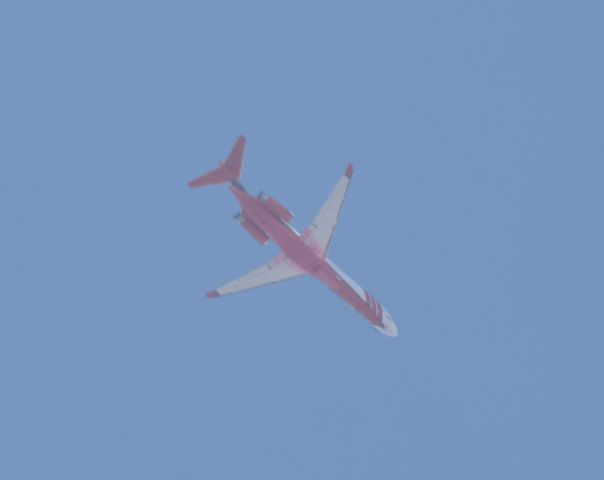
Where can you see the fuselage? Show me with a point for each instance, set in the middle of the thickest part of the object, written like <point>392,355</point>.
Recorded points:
<point>312,262</point>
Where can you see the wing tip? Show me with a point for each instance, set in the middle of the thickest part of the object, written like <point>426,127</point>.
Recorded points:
<point>349,171</point>
<point>213,294</point>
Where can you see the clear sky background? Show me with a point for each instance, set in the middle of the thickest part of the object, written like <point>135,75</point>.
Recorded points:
<point>476,216</point>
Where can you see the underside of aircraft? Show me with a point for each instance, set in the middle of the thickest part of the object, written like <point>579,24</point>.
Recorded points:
<point>265,219</point>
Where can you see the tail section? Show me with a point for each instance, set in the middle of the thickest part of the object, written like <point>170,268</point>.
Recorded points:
<point>229,170</point>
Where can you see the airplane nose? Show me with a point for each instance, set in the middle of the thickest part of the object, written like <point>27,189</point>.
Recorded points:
<point>389,327</point>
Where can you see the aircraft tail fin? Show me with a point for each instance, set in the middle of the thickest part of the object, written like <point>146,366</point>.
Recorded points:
<point>228,170</point>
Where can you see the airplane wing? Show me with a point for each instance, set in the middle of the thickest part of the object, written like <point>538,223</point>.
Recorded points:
<point>277,269</point>
<point>320,232</point>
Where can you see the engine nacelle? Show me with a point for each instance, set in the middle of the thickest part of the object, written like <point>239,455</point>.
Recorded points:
<point>256,232</point>
<point>275,208</point>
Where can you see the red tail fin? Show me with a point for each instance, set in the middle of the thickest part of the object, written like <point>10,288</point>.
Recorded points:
<point>228,170</point>
<point>235,161</point>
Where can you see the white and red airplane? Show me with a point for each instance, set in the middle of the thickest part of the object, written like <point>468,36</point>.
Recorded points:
<point>301,254</point>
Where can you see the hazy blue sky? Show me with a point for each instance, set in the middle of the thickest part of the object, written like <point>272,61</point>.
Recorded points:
<point>476,216</point>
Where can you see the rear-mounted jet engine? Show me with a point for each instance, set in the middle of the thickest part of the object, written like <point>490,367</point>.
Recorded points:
<point>275,207</point>
<point>256,232</point>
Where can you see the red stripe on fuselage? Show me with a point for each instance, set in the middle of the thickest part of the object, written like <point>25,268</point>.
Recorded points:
<point>375,308</point>
<point>370,301</point>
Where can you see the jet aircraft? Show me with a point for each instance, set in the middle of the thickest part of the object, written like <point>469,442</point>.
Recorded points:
<point>304,253</point>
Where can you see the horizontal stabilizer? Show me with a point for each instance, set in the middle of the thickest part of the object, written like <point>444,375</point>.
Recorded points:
<point>229,170</point>
<point>220,175</point>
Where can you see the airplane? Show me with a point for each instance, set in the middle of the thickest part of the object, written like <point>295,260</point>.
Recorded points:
<point>264,218</point>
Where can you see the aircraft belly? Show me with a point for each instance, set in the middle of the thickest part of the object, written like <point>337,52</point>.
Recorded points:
<point>265,218</point>
<point>290,242</point>
<point>353,294</point>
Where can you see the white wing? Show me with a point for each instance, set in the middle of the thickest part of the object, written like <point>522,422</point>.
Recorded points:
<point>277,269</point>
<point>320,232</point>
